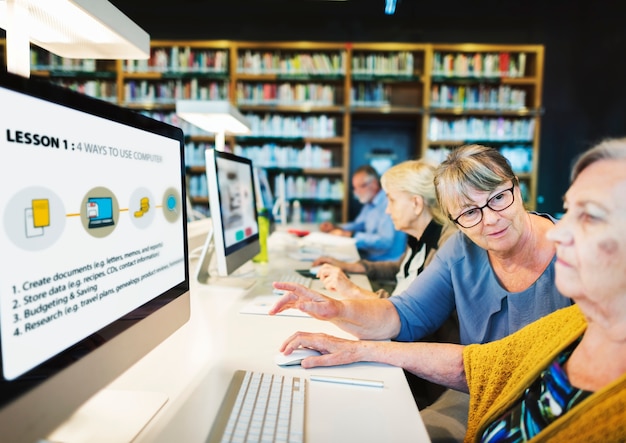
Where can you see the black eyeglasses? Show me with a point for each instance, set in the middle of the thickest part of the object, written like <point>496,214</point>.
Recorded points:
<point>497,203</point>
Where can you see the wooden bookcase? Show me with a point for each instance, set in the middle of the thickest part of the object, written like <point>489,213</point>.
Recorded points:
<point>294,94</point>
<point>303,98</point>
<point>487,94</point>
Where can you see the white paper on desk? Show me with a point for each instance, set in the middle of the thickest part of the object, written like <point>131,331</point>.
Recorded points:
<point>325,239</point>
<point>310,255</point>
<point>262,304</point>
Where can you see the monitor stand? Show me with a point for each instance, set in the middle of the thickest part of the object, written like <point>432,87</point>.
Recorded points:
<point>203,270</point>
<point>110,416</point>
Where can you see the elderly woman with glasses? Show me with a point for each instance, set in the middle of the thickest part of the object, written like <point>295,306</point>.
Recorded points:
<point>497,271</point>
<point>563,377</point>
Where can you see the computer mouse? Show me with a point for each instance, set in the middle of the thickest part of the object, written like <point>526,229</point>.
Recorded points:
<point>295,357</point>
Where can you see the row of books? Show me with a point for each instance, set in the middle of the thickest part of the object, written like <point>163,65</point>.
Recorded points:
<point>370,94</point>
<point>187,59</point>
<point>398,63</point>
<point>321,126</point>
<point>167,92</point>
<point>274,125</point>
<point>43,60</point>
<point>478,97</point>
<point>482,129</point>
<point>197,186</point>
<point>520,156</point>
<point>296,187</point>
<point>363,94</point>
<point>194,153</point>
<point>286,94</point>
<point>280,62</point>
<point>102,89</point>
<point>272,155</point>
<point>479,64</point>
<point>181,59</point>
<point>318,214</point>
<point>315,188</point>
<point>269,155</point>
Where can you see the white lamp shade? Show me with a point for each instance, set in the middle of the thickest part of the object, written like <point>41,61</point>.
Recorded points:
<point>218,116</point>
<point>78,28</point>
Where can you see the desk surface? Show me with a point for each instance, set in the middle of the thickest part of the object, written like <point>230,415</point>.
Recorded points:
<point>194,366</point>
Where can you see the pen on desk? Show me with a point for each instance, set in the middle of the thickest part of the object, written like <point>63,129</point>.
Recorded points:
<point>348,381</point>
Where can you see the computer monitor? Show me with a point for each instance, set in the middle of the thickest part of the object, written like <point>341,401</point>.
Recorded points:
<point>93,238</point>
<point>234,239</point>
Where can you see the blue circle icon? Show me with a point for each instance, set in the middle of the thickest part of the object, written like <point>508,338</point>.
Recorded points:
<point>171,202</point>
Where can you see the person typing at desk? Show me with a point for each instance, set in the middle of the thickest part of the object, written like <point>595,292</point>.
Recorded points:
<point>563,377</point>
<point>413,208</point>
<point>376,238</point>
<point>497,271</point>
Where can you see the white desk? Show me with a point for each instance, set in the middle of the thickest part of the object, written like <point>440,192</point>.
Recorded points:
<point>194,366</point>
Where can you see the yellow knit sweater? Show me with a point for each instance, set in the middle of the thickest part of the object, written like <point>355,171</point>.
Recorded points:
<point>498,373</point>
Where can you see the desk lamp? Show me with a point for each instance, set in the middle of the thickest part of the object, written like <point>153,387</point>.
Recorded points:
<point>71,29</point>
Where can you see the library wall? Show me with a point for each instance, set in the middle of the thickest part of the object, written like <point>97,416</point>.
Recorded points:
<point>320,110</point>
<point>582,94</point>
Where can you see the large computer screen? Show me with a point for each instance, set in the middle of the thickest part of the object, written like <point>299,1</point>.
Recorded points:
<point>94,272</point>
<point>233,209</point>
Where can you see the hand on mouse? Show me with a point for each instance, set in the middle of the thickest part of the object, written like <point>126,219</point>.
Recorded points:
<point>334,351</point>
<point>295,357</point>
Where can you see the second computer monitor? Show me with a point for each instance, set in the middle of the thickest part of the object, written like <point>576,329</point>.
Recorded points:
<point>232,203</point>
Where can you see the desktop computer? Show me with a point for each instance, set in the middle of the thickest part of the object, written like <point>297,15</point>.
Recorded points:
<point>235,235</point>
<point>94,249</point>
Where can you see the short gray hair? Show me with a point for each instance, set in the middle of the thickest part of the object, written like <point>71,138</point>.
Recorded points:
<point>609,149</point>
<point>467,168</point>
<point>369,172</point>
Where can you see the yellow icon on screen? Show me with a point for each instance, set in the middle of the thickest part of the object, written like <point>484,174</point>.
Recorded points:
<point>144,206</point>
<point>41,213</point>
<point>37,217</point>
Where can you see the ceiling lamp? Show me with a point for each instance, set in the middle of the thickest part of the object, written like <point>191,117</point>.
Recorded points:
<point>69,28</point>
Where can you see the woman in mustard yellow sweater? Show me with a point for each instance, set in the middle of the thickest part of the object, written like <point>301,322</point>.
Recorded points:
<point>563,377</point>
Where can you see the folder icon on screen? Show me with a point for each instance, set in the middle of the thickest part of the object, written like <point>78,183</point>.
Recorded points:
<point>41,213</point>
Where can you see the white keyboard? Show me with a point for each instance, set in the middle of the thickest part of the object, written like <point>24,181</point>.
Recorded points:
<point>261,407</point>
<point>293,277</point>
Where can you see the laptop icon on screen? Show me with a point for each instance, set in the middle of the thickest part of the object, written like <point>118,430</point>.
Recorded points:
<point>100,212</point>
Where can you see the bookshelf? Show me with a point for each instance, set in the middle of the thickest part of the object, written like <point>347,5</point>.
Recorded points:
<point>96,78</point>
<point>387,78</point>
<point>304,100</point>
<point>294,96</point>
<point>488,94</point>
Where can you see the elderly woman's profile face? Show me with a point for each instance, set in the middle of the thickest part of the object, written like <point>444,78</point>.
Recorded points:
<point>402,208</point>
<point>591,237</point>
